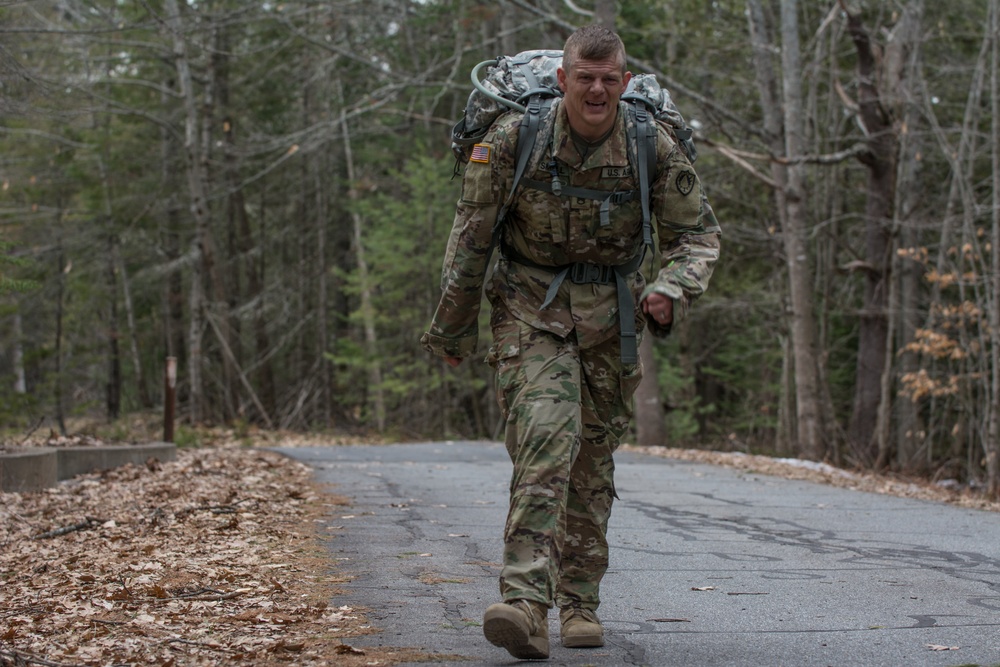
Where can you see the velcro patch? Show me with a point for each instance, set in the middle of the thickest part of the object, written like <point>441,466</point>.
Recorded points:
<point>685,182</point>
<point>480,153</point>
<point>616,172</point>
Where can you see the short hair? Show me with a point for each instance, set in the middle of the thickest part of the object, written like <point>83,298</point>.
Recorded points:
<point>593,42</point>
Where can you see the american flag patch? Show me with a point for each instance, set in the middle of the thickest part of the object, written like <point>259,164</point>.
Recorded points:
<point>480,153</point>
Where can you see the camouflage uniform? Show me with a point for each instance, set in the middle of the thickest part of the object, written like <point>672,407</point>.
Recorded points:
<point>561,385</point>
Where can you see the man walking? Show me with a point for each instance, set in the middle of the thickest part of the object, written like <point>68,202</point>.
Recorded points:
<point>565,323</point>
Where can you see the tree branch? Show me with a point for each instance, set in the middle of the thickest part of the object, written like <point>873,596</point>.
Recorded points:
<point>734,156</point>
<point>741,158</point>
<point>671,84</point>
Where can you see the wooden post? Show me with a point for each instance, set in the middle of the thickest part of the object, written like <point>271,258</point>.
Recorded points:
<point>169,399</point>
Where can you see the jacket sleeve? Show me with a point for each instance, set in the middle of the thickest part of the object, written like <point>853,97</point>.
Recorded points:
<point>454,329</point>
<point>688,232</point>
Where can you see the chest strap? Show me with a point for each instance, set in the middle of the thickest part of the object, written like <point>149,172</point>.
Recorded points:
<point>606,198</point>
<point>583,273</point>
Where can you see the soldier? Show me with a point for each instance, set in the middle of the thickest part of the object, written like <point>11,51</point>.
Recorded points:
<point>563,301</point>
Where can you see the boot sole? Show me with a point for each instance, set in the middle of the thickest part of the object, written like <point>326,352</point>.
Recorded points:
<point>505,628</point>
<point>583,642</point>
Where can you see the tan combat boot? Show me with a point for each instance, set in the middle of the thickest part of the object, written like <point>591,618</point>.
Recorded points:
<point>520,626</point>
<point>580,628</point>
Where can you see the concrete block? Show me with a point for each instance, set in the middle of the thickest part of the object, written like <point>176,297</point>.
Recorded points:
<point>30,469</point>
<point>75,461</point>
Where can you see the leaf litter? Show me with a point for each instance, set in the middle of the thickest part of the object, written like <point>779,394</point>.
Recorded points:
<point>214,558</point>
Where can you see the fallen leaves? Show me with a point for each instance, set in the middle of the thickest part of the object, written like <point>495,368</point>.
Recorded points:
<point>939,647</point>
<point>212,556</point>
<point>823,474</point>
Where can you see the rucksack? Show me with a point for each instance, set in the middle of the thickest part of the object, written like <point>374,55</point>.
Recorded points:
<point>527,82</point>
<point>512,81</point>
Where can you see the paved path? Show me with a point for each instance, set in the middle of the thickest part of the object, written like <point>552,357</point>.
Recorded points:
<point>788,572</point>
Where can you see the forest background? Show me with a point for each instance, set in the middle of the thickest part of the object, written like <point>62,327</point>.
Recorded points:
<point>263,192</point>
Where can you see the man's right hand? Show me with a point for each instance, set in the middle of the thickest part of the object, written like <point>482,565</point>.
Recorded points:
<point>453,361</point>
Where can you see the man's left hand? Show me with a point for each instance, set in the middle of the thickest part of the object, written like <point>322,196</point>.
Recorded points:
<point>660,308</point>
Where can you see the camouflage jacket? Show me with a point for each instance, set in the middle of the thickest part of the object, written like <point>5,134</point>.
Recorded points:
<point>554,231</point>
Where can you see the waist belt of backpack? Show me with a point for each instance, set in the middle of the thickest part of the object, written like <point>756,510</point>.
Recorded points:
<point>583,273</point>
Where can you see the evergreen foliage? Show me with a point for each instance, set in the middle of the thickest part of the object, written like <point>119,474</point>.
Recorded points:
<point>303,120</point>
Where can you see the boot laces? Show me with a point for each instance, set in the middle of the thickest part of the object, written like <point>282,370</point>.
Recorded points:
<point>532,612</point>
<point>586,614</point>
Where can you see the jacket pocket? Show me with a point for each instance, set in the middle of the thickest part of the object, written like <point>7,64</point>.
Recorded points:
<point>477,186</point>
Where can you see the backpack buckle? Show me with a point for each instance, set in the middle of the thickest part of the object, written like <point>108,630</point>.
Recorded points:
<point>583,273</point>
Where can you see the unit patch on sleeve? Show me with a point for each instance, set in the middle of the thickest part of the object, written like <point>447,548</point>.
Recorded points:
<point>685,182</point>
<point>480,153</point>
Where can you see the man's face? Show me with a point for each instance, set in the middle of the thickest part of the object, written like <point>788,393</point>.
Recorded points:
<point>592,89</point>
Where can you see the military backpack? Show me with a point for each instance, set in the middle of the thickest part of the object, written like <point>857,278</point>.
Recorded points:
<point>527,82</point>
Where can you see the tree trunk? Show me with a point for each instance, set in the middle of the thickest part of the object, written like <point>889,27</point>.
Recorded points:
<point>227,297</point>
<point>804,339</point>
<point>133,336</point>
<point>204,269</point>
<point>882,142</point>
<point>63,269</point>
<point>784,128</point>
<point>902,68</point>
<point>650,429</point>
<point>320,170</point>
<point>195,324</point>
<point>20,384</point>
<point>993,439</point>
<point>318,167</point>
<point>367,311</point>
<point>113,392</point>
<point>170,235</point>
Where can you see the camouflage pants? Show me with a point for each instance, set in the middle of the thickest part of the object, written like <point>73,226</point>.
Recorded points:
<point>566,410</point>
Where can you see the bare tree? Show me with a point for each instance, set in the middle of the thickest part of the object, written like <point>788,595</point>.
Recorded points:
<point>992,444</point>
<point>877,116</point>
<point>784,129</point>
<point>900,421</point>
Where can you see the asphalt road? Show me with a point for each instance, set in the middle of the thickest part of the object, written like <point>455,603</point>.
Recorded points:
<point>709,566</point>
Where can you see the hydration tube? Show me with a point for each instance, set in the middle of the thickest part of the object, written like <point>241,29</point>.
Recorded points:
<point>489,93</point>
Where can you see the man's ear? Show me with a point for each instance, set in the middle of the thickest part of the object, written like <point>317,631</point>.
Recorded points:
<point>561,78</point>
<point>625,80</point>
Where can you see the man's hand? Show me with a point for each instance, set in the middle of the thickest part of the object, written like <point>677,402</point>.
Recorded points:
<point>659,307</point>
<point>453,361</point>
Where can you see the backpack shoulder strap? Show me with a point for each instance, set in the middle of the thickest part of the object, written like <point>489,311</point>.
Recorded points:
<point>642,134</point>
<point>538,105</point>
